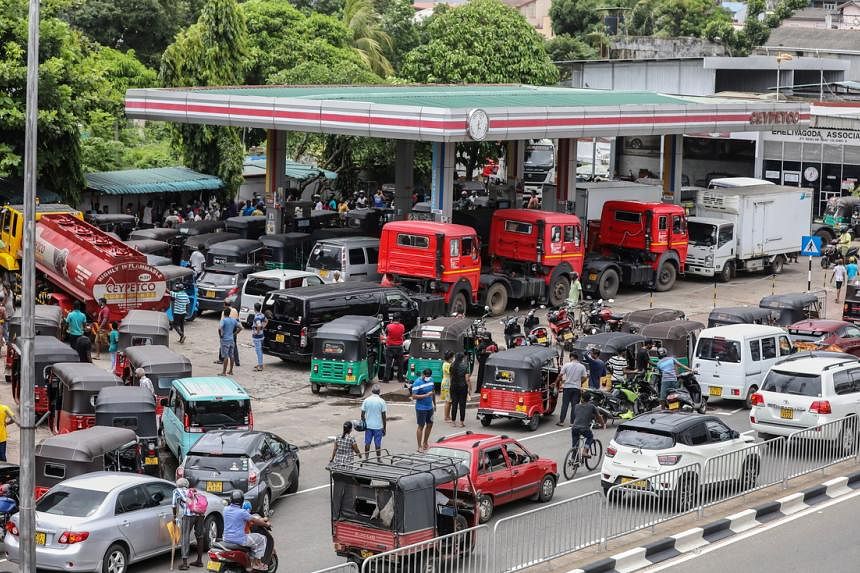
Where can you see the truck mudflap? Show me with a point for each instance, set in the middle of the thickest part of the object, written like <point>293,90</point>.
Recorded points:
<point>430,305</point>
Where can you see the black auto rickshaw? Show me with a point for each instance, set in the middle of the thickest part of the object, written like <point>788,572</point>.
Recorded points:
<point>151,247</point>
<point>132,408</point>
<point>379,504</point>
<point>48,320</point>
<point>287,250</point>
<point>429,341</point>
<point>72,387</point>
<point>677,336</point>
<point>792,307</point>
<point>368,222</point>
<point>851,306</point>
<point>247,226</point>
<point>347,352</point>
<point>248,251</point>
<point>519,383</point>
<point>80,452</point>
<point>188,230</point>
<point>207,240</point>
<point>161,365</point>
<point>119,223</point>
<point>635,320</point>
<point>47,351</point>
<point>164,234</point>
<point>725,315</point>
<point>139,328</point>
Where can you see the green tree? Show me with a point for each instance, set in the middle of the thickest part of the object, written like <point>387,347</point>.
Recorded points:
<point>565,47</point>
<point>328,7</point>
<point>397,23</point>
<point>211,52</point>
<point>366,35</point>
<point>574,17</point>
<point>674,18</point>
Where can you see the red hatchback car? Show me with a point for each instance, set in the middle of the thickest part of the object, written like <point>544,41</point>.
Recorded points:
<point>501,469</point>
<point>820,334</point>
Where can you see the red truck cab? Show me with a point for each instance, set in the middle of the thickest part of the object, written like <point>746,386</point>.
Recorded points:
<point>637,244</point>
<point>534,255</point>
<point>429,257</point>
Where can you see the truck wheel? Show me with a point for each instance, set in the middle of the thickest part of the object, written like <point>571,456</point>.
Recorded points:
<point>607,285</point>
<point>777,264</point>
<point>826,236</point>
<point>666,277</point>
<point>559,289</point>
<point>497,298</point>
<point>728,272</point>
<point>459,304</point>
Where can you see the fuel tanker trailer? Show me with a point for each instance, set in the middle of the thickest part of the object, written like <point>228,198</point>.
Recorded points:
<point>87,264</point>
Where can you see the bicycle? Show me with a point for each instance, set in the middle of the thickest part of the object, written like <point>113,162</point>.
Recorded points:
<point>574,458</point>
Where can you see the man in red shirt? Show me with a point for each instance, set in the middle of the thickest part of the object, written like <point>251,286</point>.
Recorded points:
<point>394,333</point>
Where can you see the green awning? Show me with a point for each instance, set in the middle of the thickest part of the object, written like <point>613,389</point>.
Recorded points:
<point>156,180</point>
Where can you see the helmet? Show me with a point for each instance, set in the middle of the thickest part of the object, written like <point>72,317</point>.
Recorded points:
<point>237,497</point>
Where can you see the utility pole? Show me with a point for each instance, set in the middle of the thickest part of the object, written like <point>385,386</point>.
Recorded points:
<point>27,513</point>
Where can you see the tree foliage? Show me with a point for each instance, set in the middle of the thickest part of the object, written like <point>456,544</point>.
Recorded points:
<point>565,47</point>
<point>397,23</point>
<point>211,52</point>
<point>367,36</point>
<point>574,17</point>
<point>674,18</point>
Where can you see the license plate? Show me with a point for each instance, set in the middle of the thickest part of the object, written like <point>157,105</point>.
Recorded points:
<point>41,538</point>
<point>323,274</point>
<point>365,554</point>
<point>632,482</point>
<point>521,408</point>
<point>214,486</point>
<point>350,378</point>
<point>715,391</point>
<point>542,340</point>
<point>592,276</point>
<point>674,405</point>
<point>209,294</point>
<point>279,338</point>
<point>213,566</point>
<point>786,413</point>
<point>151,460</point>
<point>568,335</point>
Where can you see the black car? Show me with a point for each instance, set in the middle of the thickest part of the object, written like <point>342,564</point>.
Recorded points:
<point>259,464</point>
<point>222,283</point>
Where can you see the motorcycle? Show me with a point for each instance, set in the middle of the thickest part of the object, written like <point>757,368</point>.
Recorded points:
<point>647,397</point>
<point>530,321</point>
<point>538,336</point>
<point>513,331</point>
<point>688,396</point>
<point>561,325</point>
<point>233,558</point>
<point>598,317</point>
<point>831,253</point>
<point>612,405</point>
<point>8,503</point>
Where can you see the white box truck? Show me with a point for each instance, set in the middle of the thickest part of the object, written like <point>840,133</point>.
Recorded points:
<point>746,229</point>
<point>590,197</point>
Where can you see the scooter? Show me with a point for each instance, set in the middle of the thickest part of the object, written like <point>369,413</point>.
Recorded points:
<point>611,404</point>
<point>237,558</point>
<point>688,396</point>
<point>538,336</point>
<point>8,503</point>
<point>513,331</point>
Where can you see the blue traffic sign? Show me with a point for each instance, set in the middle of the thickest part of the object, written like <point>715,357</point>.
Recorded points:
<point>810,246</point>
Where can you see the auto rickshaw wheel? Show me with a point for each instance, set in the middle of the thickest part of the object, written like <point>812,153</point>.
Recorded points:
<point>315,388</point>
<point>533,422</point>
<point>486,506</point>
<point>666,276</point>
<point>559,289</point>
<point>486,420</point>
<point>497,298</point>
<point>359,389</point>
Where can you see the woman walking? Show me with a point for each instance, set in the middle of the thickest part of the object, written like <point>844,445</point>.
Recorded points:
<point>459,388</point>
<point>445,388</point>
<point>345,449</point>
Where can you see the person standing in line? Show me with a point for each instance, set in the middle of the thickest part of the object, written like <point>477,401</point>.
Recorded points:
<point>228,328</point>
<point>147,214</point>
<point>258,332</point>
<point>573,298</point>
<point>643,356</point>
<point>569,380</point>
<point>445,387</point>
<point>113,343</point>
<point>197,260</point>
<point>374,414</point>
<point>596,368</point>
<point>75,322</point>
<point>9,304</point>
<point>180,307</point>
<point>234,313</point>
<point>345,449</point>
<point>424,396</point>
<point>460,382</point>
<point>189,524</point>
<point>618,367</point>
<point>83,345</point>
<point>101,327</point>
<point>6,417</point>
<point>143,380</point>
<point>838,277</point>
<point>394,335</point>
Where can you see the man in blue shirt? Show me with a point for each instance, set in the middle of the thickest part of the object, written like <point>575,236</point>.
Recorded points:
<point>227,330</point>
<point>422,392</point>
<point>596,368</point>
<point>235,518</point>
<point>75,322</point>
<point>373,414</point>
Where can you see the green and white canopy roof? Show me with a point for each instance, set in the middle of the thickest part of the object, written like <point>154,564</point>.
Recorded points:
<point>443,112</point>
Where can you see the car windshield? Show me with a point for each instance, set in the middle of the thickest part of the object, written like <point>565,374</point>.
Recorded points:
<point>461,455</point>
<point>807,335</point>
<point>71,501</point>
<point>792,383</point>
<point>325,257</point>
<point>255,286</point>
<point>217,279</point>
<point>701,234</point>
<point>718,349</point>
<point>220,413</point>
<point>216,463</point>
<point>646,440</point>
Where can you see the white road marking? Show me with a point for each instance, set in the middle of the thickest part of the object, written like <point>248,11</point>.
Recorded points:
<point>574,480</point>
<point>308,490</point>
<point>747,432</point>
<point>731,413</point>
<point>535,436</point>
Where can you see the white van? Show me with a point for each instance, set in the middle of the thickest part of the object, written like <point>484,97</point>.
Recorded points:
<point>733,360</point>
<point>259,284</point>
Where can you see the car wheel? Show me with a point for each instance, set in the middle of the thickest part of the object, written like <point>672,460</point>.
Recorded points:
<point>265,504</point>
<point>686,492</point>
<point>559,290</point>
<point>485,508</point>
<point>115,559</point>
<point>211,531</point>
<point>486,420</point>
<point>848,436</point>
<point>666,277</point>
<point>497,299</point>
<point>607,285</point>
<point>748,401</point>
<point>547,489</point>
<point>728,272</point>
<point>294,481</point>
<point>315,388</point>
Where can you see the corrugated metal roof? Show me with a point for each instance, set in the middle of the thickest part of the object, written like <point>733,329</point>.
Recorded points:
<point>156,180</point>
<point>257,166</point>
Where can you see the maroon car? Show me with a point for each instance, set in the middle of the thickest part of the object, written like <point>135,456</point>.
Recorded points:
<point>820,334</point>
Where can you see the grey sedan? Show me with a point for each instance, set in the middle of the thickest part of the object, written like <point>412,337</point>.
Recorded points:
<point>103,521</point>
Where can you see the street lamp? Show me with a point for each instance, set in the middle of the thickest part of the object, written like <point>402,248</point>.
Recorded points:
<point>780,58</point>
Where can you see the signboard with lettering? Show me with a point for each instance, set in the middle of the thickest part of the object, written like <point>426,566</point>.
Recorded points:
<point>774,118</point>
<point>813,135</point>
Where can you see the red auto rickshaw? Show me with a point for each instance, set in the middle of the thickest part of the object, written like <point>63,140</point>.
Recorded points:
<point>48,319</point>
<point>47,351</point>
<point>519,384</point>
<point>139,328</point>
<point>72,391</point>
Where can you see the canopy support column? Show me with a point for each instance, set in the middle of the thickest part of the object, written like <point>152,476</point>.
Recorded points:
<point>442,182</point>
<point>673,166</point>
<point>515,153</point>
<point>565,175</point>
<point>404,178</point>
<point>276,179</point>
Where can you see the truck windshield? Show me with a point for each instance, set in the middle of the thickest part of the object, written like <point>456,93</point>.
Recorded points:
<point>702,234</point>
<point>325,257</point>
<point>540,157</point>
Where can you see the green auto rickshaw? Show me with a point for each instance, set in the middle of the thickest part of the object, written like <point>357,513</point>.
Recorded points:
<point>676,336</point>
<point>346,353</point>
<point>430,341</point>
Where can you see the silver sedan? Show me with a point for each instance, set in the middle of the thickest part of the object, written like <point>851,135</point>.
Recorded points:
<point>103,521</point>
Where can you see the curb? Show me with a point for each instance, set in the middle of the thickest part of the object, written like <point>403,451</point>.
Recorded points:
<point>670,547</point>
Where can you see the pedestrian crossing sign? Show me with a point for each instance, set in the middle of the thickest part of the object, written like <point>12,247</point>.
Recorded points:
<point>810,246</point>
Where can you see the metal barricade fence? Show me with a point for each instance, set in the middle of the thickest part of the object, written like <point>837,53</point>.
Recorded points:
<point>466,551</point>
<point>642,503</point>
<point>816,448</point>
<point>742,471</point>
<point>348,567</point>
<point>547,532</point>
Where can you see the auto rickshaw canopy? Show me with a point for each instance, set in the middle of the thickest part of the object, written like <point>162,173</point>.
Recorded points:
<point>86,445</point>
<point>433,338</point>
<point>521,367</point>
<point>141,327</point>
<point>635,320</point>
<point>725,315</point>
<point>83,376</point>
<point>47,317</point>
<point>792,307</point>
<point>608,343</point>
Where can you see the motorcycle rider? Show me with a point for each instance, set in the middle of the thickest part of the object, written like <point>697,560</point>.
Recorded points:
<point>235,518</point>
<point>668,375</point>
<point>844,242</point>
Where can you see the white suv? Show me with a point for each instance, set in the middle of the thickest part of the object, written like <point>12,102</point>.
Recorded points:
<point>661,441</point>
<point>806,390</point>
